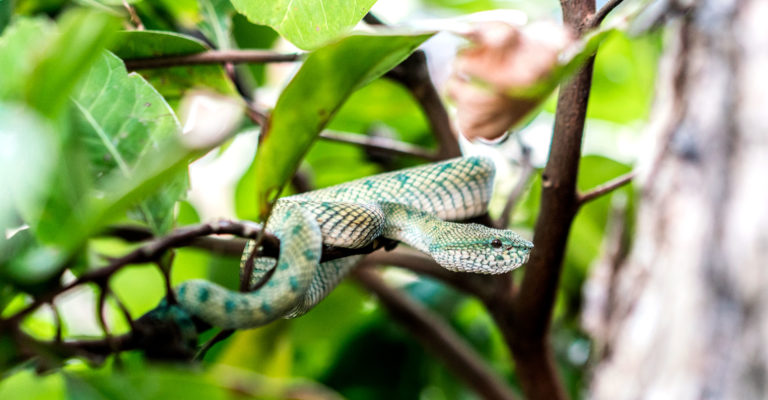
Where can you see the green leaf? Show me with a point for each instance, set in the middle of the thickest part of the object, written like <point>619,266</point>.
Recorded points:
<point>317,343</point>
<point>144,382</point>
<point>172,82</point>
<point>217,22</point>
<point>120,116</point>
<point>82,35</point>
<point>20,47</point>
<point>26,384</point>
<point>266,350</point>
<point>251,36</point>
<point>327,78</point>
<point>306,23</point>
<point>624,74</point>
<point>384,102</point>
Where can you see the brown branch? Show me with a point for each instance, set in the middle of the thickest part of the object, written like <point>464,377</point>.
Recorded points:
<point>155,249</point>
<point>437,336</point>
<point>605,188</point>
<point>600,15</point>
<point>414,75</point>
<point>212,57</point>
<point>524,315</point>
<point>257,116</point>
<point>420,263</point>
<point>221,335</point>
<point>379,144</point>
<point>134,17</point>
<point>226,247</point>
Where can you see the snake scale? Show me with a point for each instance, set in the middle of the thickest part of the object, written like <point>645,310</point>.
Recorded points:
<point>412,206</point>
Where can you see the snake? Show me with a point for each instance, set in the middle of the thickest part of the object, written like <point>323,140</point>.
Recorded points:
<point>418,206</point>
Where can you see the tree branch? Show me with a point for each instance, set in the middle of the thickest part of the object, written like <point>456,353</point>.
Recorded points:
<point>154,250</point>
<point>600,15</point>
<point>414,75</point>
<point>524,315</point>
<point>212,57</point>
<point>605,188</point>
<point>420,263</point>
<point>379,144</point>
<point>437,336</point>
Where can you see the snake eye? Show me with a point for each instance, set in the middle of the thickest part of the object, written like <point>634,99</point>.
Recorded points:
<point>496,243</point>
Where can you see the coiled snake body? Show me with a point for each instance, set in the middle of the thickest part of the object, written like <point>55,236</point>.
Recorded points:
<point>411,206</point>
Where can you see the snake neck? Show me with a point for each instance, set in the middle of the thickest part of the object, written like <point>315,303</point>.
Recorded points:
<point>416,228</point>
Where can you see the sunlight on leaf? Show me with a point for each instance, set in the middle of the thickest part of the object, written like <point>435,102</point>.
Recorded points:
<point>306,23</point>
<point>119,125</point>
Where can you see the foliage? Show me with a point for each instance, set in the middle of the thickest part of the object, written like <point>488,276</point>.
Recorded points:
<point>86,144</point>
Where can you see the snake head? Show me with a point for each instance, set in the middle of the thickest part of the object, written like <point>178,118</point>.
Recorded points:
<point>477,248</point>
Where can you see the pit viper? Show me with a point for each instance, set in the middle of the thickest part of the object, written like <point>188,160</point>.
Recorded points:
<point>413,206</point>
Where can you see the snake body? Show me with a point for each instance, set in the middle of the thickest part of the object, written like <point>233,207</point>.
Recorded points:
<point>413,206</point>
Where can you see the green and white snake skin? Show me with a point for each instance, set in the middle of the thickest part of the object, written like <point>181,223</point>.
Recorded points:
<point>411,206</point>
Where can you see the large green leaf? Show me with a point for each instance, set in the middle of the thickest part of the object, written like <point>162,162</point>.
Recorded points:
<point>120,116</point>
<point>41,62</point>
<point>327,78</point>
<point>172,82</point>
<point>26,384</point>
<point>82,35</point>
<point>20,45</point>
<point>251,36</point>
<point>306,23</point>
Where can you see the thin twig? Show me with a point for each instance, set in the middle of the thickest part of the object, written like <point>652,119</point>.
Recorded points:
<point>437,336</point>
<point>250,262</point>
<point>59,322</point>
<point>164,265</point>
<point>257,116</point>
<point>380,144</point>
<point>223,334</point>
<point>371,19</point>
<point>414,75</point>
<point>134,17</point>
<point>213,57</point>
<point>155,249</point>
<point>122,307</point>
<point>603,12</point>
<point>605,188</point>
<point>420,263</point>
<point>133,233</point>
<point>526,171</point>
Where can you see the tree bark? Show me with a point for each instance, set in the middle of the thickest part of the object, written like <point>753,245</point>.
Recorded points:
<point>687,316</point>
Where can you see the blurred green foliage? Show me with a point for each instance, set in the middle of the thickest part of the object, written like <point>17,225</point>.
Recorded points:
<point>83,142</point>
<point>305,23</point>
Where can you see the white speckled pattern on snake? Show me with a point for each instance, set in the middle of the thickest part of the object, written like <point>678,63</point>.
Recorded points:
<point>412,206</point>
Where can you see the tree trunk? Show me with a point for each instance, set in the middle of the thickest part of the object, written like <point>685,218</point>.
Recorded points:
<point>686,314</point>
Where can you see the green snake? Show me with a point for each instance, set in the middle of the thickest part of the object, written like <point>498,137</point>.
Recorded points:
<point>412,206</point>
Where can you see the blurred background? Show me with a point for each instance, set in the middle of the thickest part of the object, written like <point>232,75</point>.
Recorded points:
<point>348,346</point>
